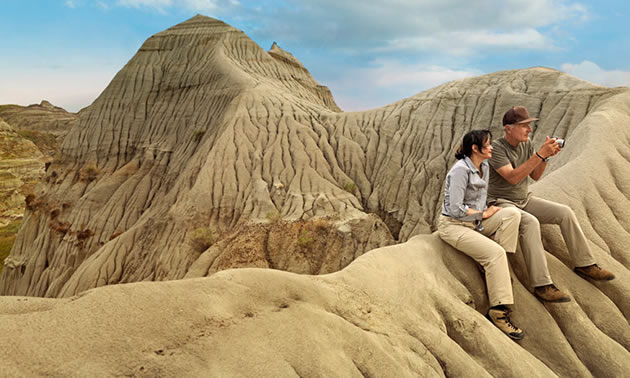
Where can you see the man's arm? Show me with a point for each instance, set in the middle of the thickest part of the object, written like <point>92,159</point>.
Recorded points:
<point>533,167</point>
<point>518,174</point>
<point>538,171</point>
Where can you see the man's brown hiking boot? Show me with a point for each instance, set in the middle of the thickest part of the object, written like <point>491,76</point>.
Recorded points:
<point>501,319</point>
<point>550,293</point>
<point>594,272</point>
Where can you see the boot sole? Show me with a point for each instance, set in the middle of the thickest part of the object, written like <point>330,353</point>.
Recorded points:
<point>581,274</point>
<point>561,300</point>
<point>511,336</point>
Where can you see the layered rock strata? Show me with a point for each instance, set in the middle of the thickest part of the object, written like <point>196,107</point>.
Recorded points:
<point>21,165</point>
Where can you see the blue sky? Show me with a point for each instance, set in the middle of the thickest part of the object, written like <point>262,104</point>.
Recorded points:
<point>369,53</point>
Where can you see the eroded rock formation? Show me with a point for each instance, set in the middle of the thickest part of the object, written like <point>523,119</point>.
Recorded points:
<point>21,165</point>
<point>411,309</point>
<point>44,124</point>
<point>207,153</point>
<point>204,143</point>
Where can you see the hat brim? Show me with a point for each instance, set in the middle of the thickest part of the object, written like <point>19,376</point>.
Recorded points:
<point>526,120</point>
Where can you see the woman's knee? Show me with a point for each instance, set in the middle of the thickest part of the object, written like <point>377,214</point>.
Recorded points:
<point>565,212</point>
<point>494,256</point>
<point>529,221</point>
<point>510,214</point>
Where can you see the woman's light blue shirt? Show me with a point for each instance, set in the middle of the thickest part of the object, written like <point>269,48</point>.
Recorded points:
<point>465,188</point>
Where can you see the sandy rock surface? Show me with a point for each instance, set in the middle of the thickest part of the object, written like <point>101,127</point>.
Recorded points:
<point>404,310</point>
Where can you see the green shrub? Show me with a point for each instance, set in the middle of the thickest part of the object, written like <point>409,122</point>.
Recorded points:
<point>88,172</point>
<point>202,238</point>
<point>350,187</point>
<point>274,216</point>
<point>7,238</point>
<point>305,238</point>
<point>199,134</point>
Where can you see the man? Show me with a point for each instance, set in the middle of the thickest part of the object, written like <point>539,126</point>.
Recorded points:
<point>513,160</point>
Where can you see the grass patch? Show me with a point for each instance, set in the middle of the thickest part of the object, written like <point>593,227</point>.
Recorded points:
<point>202,238</point>
<point>89,172</point>
<point>199,134</point>
<point>350,187</point>
<point>46,142</point>
<point>305,239</point>
<point>7,238</point>
<point>274,217</point>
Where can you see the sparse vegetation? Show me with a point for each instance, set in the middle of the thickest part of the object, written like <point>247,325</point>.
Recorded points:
<point>84,234</point>
<point>350,187</point>
<point>89,172</point>
<point>60,227</point>
<point>46,142</point>
<point>31,201</point>
<point>318,225</point>
<point>199,133</point>
<point>305,238</point>
<point>54,213</point>
<point>7,238</point>
<point>202,238</point>
<point>115,235</point>
<point>274,216</point>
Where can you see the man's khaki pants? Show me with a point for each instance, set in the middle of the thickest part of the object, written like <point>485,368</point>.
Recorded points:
<point>537,211</point>
<point>490,254</point>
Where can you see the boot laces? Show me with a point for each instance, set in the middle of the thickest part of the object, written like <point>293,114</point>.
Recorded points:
<point>508,322</point>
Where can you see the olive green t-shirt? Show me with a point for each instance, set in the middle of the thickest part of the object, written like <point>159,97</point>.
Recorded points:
<point>504,153</point>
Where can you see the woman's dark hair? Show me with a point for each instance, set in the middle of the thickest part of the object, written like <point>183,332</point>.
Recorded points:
<point>472,138</point>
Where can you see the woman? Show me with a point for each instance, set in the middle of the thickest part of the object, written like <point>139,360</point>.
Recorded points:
<point>466,224</point>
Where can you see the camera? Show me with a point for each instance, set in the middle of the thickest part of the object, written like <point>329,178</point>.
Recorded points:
<point>561,142</point>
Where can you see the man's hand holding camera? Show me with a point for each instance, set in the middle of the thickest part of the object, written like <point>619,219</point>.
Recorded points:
<point>550,148</point>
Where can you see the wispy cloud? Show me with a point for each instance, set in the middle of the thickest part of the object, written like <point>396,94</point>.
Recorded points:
<point>590,71</point>
<point>419,25</point>
<point>193,5</point>
<point>70,4</point>
<point>387,81</point>
<point>460,43</point>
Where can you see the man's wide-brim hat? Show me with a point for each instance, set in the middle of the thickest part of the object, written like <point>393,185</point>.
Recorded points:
<point>516,115</point>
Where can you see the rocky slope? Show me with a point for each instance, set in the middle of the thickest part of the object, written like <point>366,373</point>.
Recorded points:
<point>21,165</point>
<point>206,152</point>
<point>406,310</point>
<point>44,124</point>
<point>30,136</point>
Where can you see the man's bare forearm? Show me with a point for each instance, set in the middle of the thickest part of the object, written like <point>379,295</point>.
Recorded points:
<point>522,171</point>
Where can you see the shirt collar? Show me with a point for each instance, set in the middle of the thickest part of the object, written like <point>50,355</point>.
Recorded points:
<point>471,165</point>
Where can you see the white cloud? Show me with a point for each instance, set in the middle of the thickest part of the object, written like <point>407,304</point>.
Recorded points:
<point>389,81</point>
<point>193,5</point>
<point>466,42</point>
<point>419,24</point>
<point>590,71</point>
<point>70,4</point>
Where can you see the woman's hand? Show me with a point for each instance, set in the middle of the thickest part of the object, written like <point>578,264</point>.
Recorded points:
<point>490,211</point>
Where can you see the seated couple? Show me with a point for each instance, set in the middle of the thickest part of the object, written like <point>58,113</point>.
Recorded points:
<point>468,224</point>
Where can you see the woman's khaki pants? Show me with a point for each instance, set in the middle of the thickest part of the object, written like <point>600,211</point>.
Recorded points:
<point>490,254</point>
